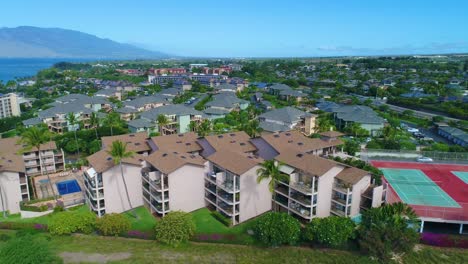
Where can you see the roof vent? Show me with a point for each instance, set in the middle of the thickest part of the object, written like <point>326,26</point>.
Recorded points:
<point>276,136</point>
<point>137,144</point>
<point>180,135</point>
<point>300,143</point>
<point>220,136</point>
<point>131,135</point>
<point>287,134</point>
<point>178,142</point>
<point>175,152</point>
<point>193,156</point>
<point>188,144</point>
<point>299,155</point>
<point>182,157</point>
<point>242,144</point>
<point>164,155</point>
<point>290,141</point>
<point>232,135</point>
<point>109,158</point>
<point>233,141</point>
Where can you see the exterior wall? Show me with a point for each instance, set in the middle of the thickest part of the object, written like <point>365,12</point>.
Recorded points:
<point>187,188</point>
<point>377,196</point>
<point>358,189</point>
<point>114,191</point>
<point>372,128</point>
<point>10,191</point>
<point>255,198</point>
<point>325,185</point>
<point>184,122</point>
<point>309,125</point>
<point>9,105</point>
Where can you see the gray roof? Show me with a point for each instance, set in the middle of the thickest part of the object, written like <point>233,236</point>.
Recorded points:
<point>177,110</point>
<point>273,127</point>
<point>74,107</point>
<point>225,100</point>
<point>416,94</point>
<point>110,91</point>
<point>140,123</point>
<point>215,111</point>
<point>359,114</point>
<point>79,99</point>
<point>286,115</point>
<point>226,86</point>
<point>71,97</point>
<point>292,93</point>
<point>455,132</point>
<point>171,91</point>
<point>280,86</point>
<point>328,106</point>
<point>144,100</point>
<point>126,110</point>
<point>32,121</point>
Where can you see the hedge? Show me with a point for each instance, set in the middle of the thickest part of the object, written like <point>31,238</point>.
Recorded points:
<point>27,206</point>
<point>21,225</point>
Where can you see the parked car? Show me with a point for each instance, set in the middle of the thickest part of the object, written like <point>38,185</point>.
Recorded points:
<point>424,159</point>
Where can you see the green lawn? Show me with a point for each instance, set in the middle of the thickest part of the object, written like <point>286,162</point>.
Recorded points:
<point>38,220</point>
<point>206,224</point>
<point>144,222</point>
<point>142,251</point>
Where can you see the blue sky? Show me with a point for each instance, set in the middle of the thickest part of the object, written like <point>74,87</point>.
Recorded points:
<point>259,28</point>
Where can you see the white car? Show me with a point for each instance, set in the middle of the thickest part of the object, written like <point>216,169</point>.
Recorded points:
<point>424,159</point>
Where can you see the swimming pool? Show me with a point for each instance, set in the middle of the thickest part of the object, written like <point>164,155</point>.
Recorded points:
<point>66,187</point>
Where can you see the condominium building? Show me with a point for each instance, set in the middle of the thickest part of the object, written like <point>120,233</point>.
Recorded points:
<point>105,190</point>
<point>9,105</point>
<point>15,168</point>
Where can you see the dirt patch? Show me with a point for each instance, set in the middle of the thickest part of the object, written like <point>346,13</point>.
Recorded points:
<point>79,257</point>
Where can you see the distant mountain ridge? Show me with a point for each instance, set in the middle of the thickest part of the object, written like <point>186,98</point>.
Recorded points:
<point>35,42</point>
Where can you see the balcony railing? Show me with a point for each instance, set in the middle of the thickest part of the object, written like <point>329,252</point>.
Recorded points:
<point>339,200</point>
<point>342,187</point>
<point>302,187</point>
<point>302,199</point>
<point>300,210</point>
<point>337,211</point>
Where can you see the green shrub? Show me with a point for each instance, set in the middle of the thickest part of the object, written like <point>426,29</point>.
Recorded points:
<point>275,229</point>
<point>4,237</point>
<point>226,221</point>
<point>65,223</point>
<point>330,231</point>
<point>113,224</point>
<point>27,250</point>
<point>58,209</point>
<point>174,228</point>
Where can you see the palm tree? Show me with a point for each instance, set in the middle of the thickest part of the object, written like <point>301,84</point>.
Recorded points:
<point>112,120</point>
<point>162,122</point>
<point>253,128</point>
<point>73,121</point>
<point>118,152</point>
<point>33,138</point>
<point>270,170</point>
<point>94,122</point>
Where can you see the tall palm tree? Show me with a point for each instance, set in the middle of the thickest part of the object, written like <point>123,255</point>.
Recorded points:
<point>118,152</point>
<point>73,121</point>
<point>162,122</point>
<point>33,138</point>
<point>1,194</point>
<point>253,128</point>
<point>270,170</point>
<point>112,120</point>
<point>94,122</point>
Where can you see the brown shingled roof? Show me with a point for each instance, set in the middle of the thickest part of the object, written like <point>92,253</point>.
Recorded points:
<point>352,175</point>
<point>167,161</point>
<point>307,163</point>
<point>234,162</point>
<point>101,161</point>
<point>178,142</point>
<point>136,142</point>
<point>331,134</point>
<point>10,159</point>
<point>296,140</point>
<point>233,141</point>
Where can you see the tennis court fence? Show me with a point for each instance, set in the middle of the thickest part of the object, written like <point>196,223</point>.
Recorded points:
<point>412,155</point>
<point>446,213</point>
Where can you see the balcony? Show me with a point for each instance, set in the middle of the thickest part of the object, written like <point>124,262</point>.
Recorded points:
<point>281,189</point>
<point>210,187</point>
<point>23,180</point>
<point>305,200</point>
<point>30,156</point>
<point>342,187</point>
<point>31,164</point>
<point>300,210</point>
<point>339,199</point>
<point>281,200</point>
<point>305,188</point>
<point>227,209</point>
<point>210,198</point>
<point>337,211</point>
<point>227,197</point>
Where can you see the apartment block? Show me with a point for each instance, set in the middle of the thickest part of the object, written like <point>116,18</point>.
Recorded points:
<point>9,105</point>
<point>15,168</point>
<point>105,190</point>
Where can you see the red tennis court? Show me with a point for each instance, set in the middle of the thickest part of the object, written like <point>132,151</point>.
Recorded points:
<point>443,176</point>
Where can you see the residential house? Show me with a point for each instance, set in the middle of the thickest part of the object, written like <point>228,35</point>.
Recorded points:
<point>227,102</point>
<point>454,134</point>
<point>287,118</point>
<point>363,115</point>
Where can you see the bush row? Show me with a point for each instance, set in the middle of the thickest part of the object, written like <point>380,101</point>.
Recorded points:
<point>226,221</point>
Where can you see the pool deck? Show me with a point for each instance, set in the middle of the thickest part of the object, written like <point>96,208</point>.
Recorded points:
<point>43,187</point>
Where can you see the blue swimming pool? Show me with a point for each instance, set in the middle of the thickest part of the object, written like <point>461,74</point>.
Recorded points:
<point>66,187</point>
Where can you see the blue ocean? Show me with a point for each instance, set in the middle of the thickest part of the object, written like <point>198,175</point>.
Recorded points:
<point>13,68</point>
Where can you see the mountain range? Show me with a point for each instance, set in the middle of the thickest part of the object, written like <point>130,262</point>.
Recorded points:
<point>35,42</point>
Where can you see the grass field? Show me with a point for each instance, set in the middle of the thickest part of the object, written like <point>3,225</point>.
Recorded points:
<point>89,249</point>
<point>38,220</point>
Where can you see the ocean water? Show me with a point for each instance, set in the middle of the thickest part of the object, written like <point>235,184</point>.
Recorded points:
<point>13,68</point>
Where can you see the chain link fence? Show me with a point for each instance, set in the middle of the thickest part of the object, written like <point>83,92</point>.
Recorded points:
<point>413,155</point>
